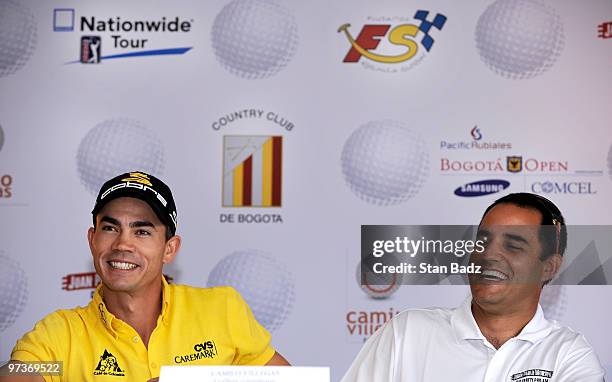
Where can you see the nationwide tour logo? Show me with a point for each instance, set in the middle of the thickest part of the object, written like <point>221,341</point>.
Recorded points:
<point>386,42</point>
<point>120,36</point>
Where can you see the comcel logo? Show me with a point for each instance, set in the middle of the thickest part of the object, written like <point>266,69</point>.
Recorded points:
<point>408,37</point>
<point>204,349</point>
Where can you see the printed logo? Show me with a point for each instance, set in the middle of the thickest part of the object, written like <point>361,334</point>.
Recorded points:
<point>124,38</point>
<point>514,164</point>
<point>572,188</point>
<point>6,183</point>
<point>108,365</point>
<point>475,132</point>
<point>252,171</point>
<point>482,187</point>
<point>403,42</point>
<point>377,286</point>
<point>90,49</point>
<point>79,281</point>
<point>475,144</point>
<point>139,185</point>
<point>138,177</point>
<point>604,30</point>
<point>252,165</point>
<point>361,324</point>
<point>532,375</point>
<point>63,20</point>
<point>204,349</point>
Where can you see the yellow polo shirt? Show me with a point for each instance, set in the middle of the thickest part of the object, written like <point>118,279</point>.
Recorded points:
<point>197,326</point>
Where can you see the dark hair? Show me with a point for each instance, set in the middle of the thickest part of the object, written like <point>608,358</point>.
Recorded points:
<point>553,240</point>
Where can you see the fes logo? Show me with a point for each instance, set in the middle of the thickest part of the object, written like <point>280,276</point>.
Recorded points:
<point>514,164</point>
<point>406,36</point>
<point>139,178</point>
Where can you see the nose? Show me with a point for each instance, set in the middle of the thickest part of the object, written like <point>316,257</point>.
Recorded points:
<point>123,242</point>
<point>492,251</point>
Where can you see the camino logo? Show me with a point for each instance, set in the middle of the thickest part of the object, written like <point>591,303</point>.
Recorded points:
<point>404,40</point>
<point>252,171</point>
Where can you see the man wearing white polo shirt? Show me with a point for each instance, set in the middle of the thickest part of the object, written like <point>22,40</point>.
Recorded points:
<point>500,332</point>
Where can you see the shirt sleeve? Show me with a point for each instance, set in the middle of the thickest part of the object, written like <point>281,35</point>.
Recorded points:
<point>580,364</point>
<point>251,340</point>
<point>376,359</point>
<point>42,343</point>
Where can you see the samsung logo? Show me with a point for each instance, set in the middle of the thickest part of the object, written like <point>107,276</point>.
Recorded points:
<point>482,187</point>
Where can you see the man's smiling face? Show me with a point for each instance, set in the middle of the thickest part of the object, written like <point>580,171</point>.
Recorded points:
<point>129,246</point>
<point>512,270</point>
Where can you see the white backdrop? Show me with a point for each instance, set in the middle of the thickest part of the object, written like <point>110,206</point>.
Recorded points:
<point>65,126</point>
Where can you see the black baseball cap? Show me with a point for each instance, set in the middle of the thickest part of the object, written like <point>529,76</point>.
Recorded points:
<point>145,187</point>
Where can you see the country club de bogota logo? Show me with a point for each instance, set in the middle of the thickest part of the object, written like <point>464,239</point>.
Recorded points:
<point>385,41</point>
<point>252,171</point>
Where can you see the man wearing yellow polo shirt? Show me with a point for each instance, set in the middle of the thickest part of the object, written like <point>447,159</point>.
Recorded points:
<point>136,321</point>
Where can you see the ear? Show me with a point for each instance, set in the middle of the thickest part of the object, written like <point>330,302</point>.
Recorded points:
<point>172,247</point>
<point>551,267</point>
<point>90,234</point>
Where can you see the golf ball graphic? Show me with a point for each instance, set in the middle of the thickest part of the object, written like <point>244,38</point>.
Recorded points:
<point>254,38</point>
<point>265,284</point>
<point>17,36</point>
<point>116,146</point>
<point>554,301</point>
<point>385,162</point>
<point>13,291</point>
<point>519,39</point>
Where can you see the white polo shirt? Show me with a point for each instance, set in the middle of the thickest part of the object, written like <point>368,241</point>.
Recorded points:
<point>430,345</point>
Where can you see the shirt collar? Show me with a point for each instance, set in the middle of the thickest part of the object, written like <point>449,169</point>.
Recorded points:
<point>465,327</point>
<point>108,320</point>
<point>166,300</point>
<point>112,323</point>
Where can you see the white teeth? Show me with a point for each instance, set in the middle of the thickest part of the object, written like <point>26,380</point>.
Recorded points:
<point>122,265</point>
<point>492,274</point>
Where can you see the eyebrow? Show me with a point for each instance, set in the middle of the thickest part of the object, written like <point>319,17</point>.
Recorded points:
<point>136,224</point>
<point>516,238</point>
<point>511,236</point>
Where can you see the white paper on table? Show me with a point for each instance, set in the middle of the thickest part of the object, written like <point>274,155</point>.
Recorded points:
<point>243,374</point>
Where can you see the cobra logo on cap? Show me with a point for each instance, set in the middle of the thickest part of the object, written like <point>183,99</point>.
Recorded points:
<point>138,177</point>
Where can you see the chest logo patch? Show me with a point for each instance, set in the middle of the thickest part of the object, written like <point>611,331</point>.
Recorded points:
<point>532,375</point>
<point>108,365</point>
<point>204,349</point>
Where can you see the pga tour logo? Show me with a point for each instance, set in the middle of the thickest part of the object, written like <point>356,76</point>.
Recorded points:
<point>482,187</point>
